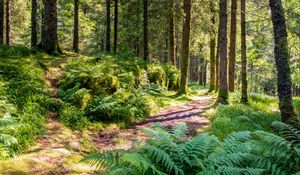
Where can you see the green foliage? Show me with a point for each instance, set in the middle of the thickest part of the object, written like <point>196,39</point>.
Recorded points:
<point>170,152</point>
<point>129,106</point>
<point>258,115</point>
<point>22,100</point>
<point>73,117</point>
<point>115,88</point>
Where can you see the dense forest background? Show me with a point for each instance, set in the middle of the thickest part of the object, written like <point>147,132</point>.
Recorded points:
<point>150,87</point>
<point>260,44</point>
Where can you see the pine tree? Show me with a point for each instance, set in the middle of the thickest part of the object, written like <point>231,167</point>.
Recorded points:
<point>171,34</point>
<point>49,42</point>
<point>223,87</point>
<point>232,47</point>
<point>116,21</point>
<point>76,26</point>
<point>183,89</point>
<point>108,26</point>
<point>284,82</point>
<point>8,22</point>
<point>145,16</point>
<point>1,22</point>
<point>212,84</point>
<point>244,98</point>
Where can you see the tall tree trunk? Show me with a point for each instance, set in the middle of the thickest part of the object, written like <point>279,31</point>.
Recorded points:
<point>171,34</point>
<point>76,26</point>
<point>244,98</point>
<point>223,91</point>
<point>284,82</point>
<point>212,84</point>
<point>232,47</point>
<point>1,22</point>
<point>205,72</point>
<point>116,22</point>
<point>49,41</point>
<point>34,5</point>
<point>218,58</point>
<point>201,70</point>
<point>183,88</point>
<point>146,51</point>
<point>108,26</point>
<point>8,22</point>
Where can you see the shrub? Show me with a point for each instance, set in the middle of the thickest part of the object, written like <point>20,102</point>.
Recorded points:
<point>157,75</point>
<point>172,77</point>
<point>73,117</point>
<point>124,105</point>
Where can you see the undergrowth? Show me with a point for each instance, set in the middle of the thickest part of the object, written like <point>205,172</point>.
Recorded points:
<point>171,152</point>
<point>114,89</point>
<point>259,114</point>
<point>22,99</point>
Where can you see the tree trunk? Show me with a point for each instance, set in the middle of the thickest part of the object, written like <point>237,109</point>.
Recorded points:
<point>8,22</point>
<point>205,72</point>
<point>218,58</point>
<point>244,98</point>
<point>282,61</point>
<point>116,21</point>
<point>231,68</point>
<point>49,41</point>
<point>183,89</point>
<point>76,26</point>
<point>201,70</point>
<point>146,51</point>
<point>1,22</point>
<point>212,84</point>
<point>223,91</point>
<point>107,26</point>
<point>171,35</point>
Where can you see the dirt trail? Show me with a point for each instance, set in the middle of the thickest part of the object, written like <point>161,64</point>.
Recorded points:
<point>191,114</point>
<point>60,149</point>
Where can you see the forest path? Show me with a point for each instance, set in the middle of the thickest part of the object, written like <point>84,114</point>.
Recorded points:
<point>60,149</point>
<point>192,113</point>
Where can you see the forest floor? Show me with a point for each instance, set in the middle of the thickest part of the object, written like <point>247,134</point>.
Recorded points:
<point>60,149</point>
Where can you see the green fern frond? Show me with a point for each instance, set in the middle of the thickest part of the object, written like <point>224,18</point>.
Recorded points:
<point>289,132</point>
<point>179,131</point>
<point>163,158</point>
<point>228,170</point>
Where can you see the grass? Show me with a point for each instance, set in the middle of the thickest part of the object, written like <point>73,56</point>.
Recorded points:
<point>259,114</point>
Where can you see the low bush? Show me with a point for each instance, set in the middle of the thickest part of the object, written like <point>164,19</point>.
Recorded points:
<point>114,89</point>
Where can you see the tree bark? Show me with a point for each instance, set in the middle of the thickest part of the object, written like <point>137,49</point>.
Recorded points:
<point>212,84</point>
<point>284,82</point>
<point>232,47</point>
<point>146,51</point>
<point>8,22</point>
<point>244,98</point>
<point>1,22</point>
<point>116,22</point>
<point>107,26</point>
<point>223,90</point>
<point>76,26</point>
<point>171,35</point>
<point>49,41</point>
<point>183,89</point>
